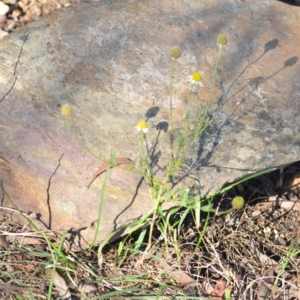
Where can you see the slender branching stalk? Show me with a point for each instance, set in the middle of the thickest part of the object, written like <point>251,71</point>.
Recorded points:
<point>171,109</point>
<point>100,207</point>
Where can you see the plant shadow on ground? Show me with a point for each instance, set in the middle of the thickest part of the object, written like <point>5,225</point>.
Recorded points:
<point>254,251</point>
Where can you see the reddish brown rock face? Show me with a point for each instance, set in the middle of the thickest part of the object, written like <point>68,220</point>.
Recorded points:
<point>110,61</point>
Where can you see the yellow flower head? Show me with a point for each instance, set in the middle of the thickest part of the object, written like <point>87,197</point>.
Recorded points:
<point>237,202</point>
<point>142,125</point>
<point>175,52</point>
<point>196,79</point>
<point>66,110</point>
<point>222,39</point>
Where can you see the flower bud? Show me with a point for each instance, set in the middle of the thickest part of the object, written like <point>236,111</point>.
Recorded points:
<point>66,110</point>
<point>175,52</point>
<point>222,39</point>
<point>237,202</point>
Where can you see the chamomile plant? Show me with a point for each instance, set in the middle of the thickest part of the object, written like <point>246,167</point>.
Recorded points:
<point>178,144</point>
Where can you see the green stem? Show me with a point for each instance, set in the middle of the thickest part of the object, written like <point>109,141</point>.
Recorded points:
<point>205,121</point>
<point>171,109</point>
<point>215,74</point>
<point>158,203</point>
<point>100,207</point>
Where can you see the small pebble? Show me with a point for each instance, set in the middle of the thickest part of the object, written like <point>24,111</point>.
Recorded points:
<point>11,2</point>
<point>4,9</point>
<point>3,34</point>
<point>2,19</point>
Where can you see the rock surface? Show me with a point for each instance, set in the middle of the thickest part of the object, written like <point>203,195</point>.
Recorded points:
<point>110,61</point>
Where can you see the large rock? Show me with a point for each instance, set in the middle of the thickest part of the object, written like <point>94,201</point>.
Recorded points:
<point>110,61</point>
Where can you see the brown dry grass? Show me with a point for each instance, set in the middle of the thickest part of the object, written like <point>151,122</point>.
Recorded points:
<point>243,251</point>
